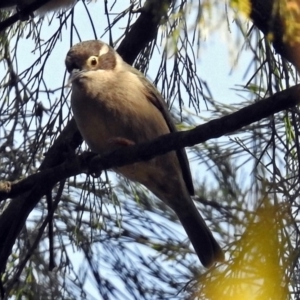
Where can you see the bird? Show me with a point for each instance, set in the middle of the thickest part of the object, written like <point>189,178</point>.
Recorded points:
<point>51,5</point>
<point>114,106</point>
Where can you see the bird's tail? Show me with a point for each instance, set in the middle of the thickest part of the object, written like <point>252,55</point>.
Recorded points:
<point>205,245</point>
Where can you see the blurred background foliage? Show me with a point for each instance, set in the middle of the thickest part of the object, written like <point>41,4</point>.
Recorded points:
<point>107,238</point>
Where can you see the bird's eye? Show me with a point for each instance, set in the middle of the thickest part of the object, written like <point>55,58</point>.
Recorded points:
<point>93,61</point>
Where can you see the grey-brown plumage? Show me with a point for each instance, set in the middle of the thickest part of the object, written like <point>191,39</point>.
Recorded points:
<point>115,105</point>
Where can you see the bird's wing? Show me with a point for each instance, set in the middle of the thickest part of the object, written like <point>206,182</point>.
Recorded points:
<point>157,100</point>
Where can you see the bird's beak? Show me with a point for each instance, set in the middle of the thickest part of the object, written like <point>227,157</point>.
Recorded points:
<point>74,74</point>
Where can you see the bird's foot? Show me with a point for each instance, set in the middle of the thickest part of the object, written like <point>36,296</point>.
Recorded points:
<point>88,157</point>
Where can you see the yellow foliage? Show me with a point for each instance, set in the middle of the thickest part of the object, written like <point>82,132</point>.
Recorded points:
<point>257,266</point>
<point>243,6</point>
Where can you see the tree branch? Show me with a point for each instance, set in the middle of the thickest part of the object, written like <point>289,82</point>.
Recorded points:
<point>19,15</point>
<point>145,29</point>
<point>132,154</point>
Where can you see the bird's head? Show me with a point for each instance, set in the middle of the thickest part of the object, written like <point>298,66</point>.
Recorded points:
<point>91,56</point>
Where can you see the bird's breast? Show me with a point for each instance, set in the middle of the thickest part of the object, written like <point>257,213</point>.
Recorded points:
<point>106,107</point>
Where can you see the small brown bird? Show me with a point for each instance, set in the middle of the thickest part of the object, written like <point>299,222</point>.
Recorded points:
<point>115,105</point>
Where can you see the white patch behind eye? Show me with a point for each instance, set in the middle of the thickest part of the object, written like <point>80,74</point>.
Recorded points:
<point>104,49</point>
<point>119,61</point>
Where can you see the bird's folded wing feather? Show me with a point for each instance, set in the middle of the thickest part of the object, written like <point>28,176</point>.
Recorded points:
<point>157,100</point>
